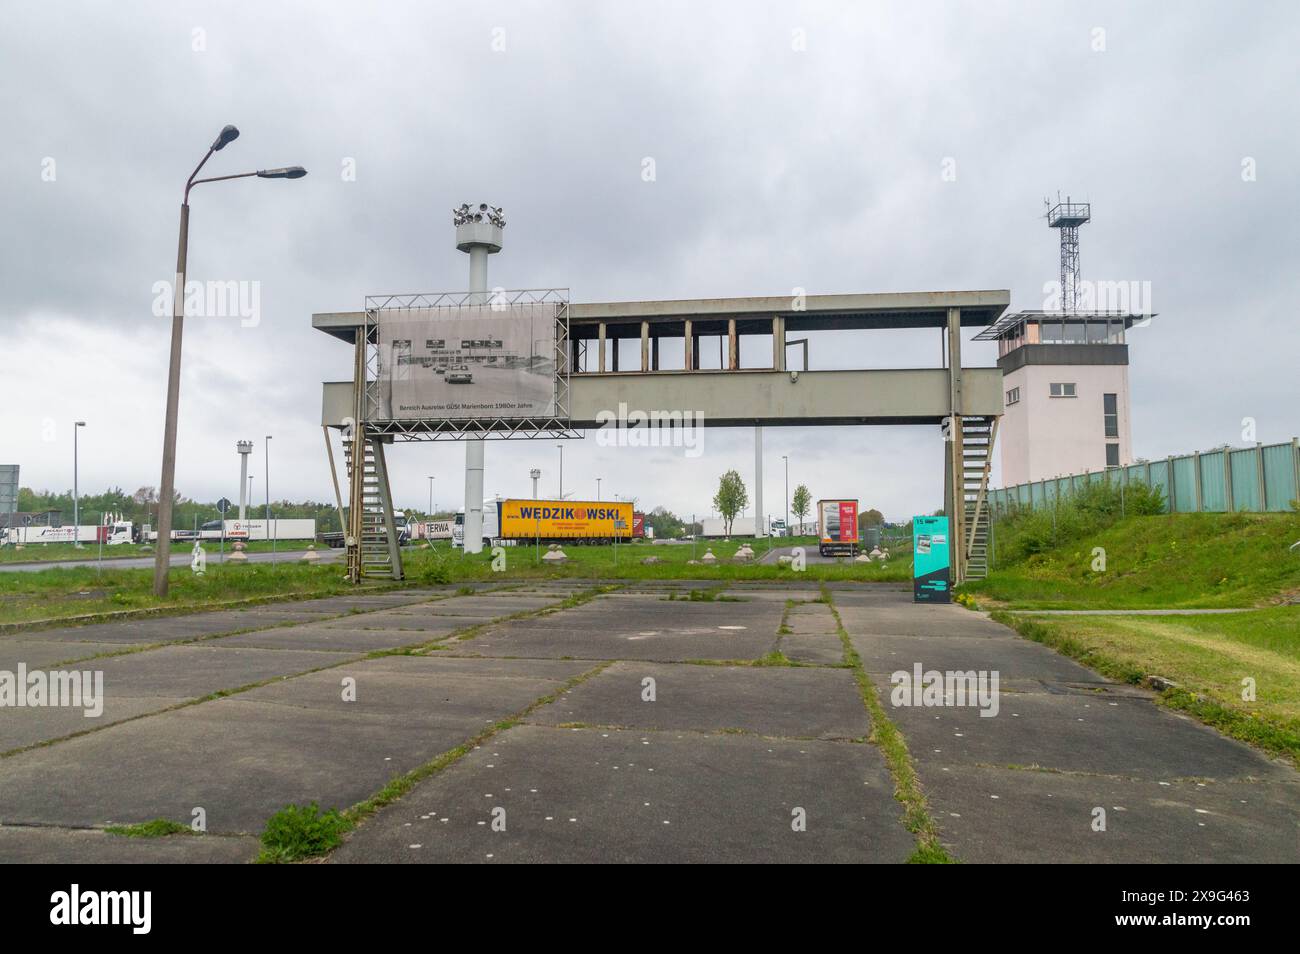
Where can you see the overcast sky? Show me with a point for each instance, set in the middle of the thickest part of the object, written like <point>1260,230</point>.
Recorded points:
<point>794,146</point>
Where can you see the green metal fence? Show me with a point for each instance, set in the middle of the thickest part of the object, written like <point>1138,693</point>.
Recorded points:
<point>1230,479</point>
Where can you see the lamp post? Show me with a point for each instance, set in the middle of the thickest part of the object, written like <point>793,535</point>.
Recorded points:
<point>430,497</point>
<point>536,474</point>
<point>597,488</point>
<point>266,483</point>
<point>162,558</point>
<point>76,510</point>
<point>788,532</point>
<point>560,495</point>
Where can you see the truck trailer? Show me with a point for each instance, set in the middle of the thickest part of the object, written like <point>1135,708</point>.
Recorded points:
<point>555,521</point>
<point>837,527</point>
<point>110,534</point>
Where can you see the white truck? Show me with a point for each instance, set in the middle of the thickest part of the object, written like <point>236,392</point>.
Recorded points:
<point>288,529</point>
<point>491,524</point>
<point>111,534</point>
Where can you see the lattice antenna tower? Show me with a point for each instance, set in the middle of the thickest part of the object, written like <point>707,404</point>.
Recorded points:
<point>1068,216</point>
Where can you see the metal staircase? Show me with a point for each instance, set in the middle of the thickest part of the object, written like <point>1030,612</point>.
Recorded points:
<point>373,547</point>
<point>977,438</point>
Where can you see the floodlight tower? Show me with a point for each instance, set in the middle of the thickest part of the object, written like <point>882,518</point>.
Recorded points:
<point>1068,216</point>
<point>478,232</point>
<point>245,448</point>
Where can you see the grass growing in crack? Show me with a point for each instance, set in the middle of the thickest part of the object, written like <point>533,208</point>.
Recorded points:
<point>907,787</point>
<point>301,831</point>
<point>157,828</point>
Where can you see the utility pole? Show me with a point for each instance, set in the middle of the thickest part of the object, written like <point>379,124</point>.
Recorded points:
<point>267,483</point>
<point>786,458</point>
<point>76,499</point>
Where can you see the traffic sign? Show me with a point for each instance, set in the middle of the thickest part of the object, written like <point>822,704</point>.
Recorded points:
<point>223,505</point>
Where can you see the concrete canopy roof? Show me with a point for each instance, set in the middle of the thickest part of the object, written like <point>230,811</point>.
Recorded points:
<point>819,312</point>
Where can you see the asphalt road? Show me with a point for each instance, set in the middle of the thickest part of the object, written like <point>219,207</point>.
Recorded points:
<point>179,557</point>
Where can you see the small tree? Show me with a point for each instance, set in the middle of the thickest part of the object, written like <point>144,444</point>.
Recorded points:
<point>731,498</point>
<point>801,505</point>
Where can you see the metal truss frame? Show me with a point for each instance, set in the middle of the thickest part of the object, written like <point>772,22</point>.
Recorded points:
<point>499,428</point>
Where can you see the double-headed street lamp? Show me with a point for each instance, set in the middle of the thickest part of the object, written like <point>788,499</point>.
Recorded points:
<point>162,560</point>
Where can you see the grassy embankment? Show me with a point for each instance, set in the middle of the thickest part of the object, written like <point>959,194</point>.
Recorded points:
<point>1237,671</point>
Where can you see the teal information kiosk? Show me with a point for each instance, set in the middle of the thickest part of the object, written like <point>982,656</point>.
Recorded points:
<point>931,569</point>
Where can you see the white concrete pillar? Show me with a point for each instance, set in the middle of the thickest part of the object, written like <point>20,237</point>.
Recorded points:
<point>760,525</point>
<point>474,448</point>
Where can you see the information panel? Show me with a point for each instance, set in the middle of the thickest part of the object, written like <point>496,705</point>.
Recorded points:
<point>931,569</point>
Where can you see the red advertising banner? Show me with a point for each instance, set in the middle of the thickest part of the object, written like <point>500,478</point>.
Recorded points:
<point>848,521</point>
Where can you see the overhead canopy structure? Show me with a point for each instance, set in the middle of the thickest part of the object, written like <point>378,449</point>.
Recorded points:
<point>597,380</point>
<point>730,395</point>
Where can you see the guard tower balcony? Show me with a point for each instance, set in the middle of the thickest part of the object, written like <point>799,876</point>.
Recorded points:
<point>1045,337</point>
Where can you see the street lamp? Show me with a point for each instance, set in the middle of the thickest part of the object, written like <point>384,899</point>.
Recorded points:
<point>162,558</point>
<point>597,488</point>
<point>266,478</point>
<point>76,511</point>
<point>431,497</point>
<point>788,532</point>
<point>560,496</point>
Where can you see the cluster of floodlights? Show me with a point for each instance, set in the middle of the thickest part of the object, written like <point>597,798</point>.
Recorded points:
<point>464,215</point>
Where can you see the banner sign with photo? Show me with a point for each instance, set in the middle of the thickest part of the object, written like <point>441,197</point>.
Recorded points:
<point>466,362</point>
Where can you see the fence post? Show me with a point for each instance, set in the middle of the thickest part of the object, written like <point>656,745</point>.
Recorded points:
<point>1295,464</point>
<point>1196,467</point>
<point>1229,504</point>
<point>1171,491</point>
<point>1260,477</point>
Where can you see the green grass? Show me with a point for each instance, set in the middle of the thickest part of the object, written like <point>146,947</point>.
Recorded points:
<point>1207,656</point>
<point>49,552</point>
<point>301,831</point>
<point>1167,561</point>
<point>158,828</point>
<point>624,562</point>
<point>59,593</point>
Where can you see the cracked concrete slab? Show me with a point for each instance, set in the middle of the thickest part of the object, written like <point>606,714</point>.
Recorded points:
<point>631,797</point>
<point>769,701</point>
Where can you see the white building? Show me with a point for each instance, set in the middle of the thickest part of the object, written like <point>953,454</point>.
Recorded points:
<point>1065,393</point>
